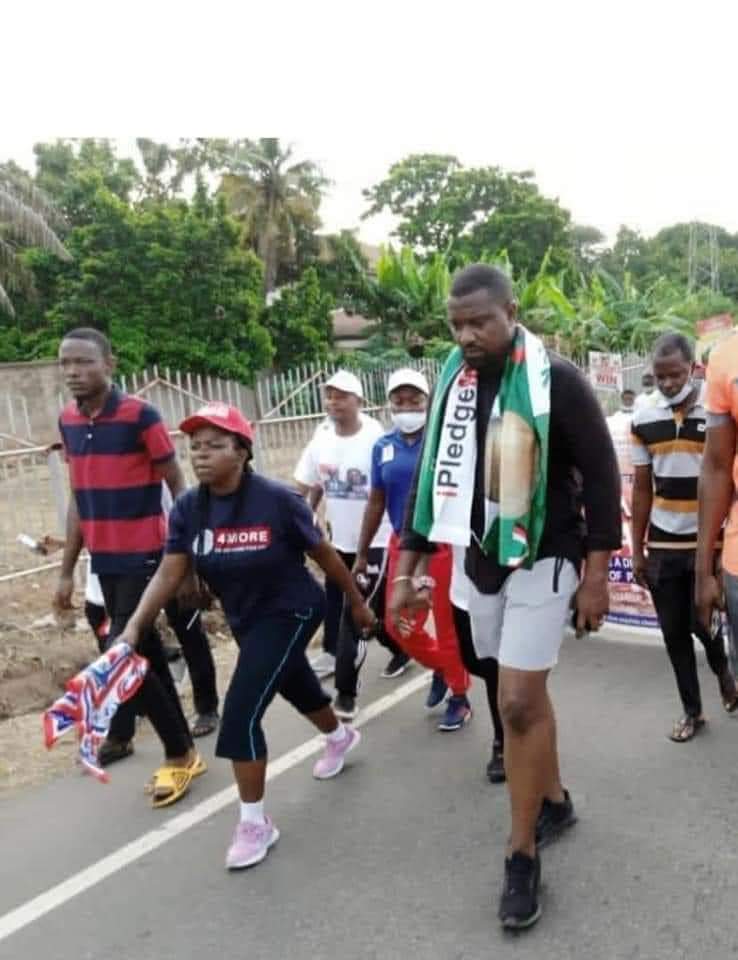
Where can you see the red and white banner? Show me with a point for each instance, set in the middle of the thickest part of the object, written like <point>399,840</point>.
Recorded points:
<point>606,371</point>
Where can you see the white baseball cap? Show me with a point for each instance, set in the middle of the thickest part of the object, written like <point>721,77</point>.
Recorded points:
<point>348,382</point>
<point>407,377</point>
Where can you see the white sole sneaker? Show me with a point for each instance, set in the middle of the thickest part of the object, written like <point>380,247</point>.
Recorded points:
<point>252,861</point>
<point>356,740</point>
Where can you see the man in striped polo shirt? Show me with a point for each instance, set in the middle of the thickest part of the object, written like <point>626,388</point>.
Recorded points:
<point>668,443</point>
<point>119,452</point>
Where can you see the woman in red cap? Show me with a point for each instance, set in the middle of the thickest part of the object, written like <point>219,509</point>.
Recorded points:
<point>247,537</point>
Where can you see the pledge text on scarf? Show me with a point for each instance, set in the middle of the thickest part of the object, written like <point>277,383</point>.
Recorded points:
<point>450,467</point>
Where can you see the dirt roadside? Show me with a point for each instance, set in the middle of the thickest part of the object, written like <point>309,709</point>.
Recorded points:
<point>37,658</point>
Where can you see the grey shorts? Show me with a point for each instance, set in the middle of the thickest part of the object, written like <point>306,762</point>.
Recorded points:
<point>523,625</point>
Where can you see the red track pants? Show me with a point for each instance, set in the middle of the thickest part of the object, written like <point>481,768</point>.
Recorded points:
<point>440,653</point>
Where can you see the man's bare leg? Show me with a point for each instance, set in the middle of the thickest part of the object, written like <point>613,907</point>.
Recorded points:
<point>531,764</point>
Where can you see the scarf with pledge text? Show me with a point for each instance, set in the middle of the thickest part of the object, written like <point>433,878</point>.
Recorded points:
<point>516,456</point>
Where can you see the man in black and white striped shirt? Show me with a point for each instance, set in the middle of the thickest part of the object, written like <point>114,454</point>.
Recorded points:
<point>668,443</point>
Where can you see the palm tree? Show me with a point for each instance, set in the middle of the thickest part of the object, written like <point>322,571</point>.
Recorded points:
<point>27,218</point>
<point>273,198</point>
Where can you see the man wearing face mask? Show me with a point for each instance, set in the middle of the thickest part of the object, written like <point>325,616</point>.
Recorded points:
<point>337,463</point>
<point>649,395</point>
<point>668,444</point>
<point>393,464</point>
<point>621,418</point>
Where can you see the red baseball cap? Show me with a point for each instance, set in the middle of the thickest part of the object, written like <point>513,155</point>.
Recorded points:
<point>220,415</point>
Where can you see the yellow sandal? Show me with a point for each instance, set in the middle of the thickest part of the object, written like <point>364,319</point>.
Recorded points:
<point>170,784</point>
<point>196,767</point>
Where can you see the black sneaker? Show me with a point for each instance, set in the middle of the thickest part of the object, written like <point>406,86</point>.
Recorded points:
<point>344,706</point>
<point>396,666</point>
<point>554,819</point>
<point>519,907</point>
<point>496,765</point>
<point>111,751</point>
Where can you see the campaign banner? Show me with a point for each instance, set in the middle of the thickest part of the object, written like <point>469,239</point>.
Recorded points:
<point>606,371</point>
<point>630,604</point>
<point>710,331</point>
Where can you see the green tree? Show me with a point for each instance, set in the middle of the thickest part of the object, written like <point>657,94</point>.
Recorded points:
<point>466,212</point>
<point>69,171</point>
<point>299,321</point>
<point>407,296</point>
<point>168,166</point>
<point>273,198</point>
<point>27,218</point>
<point>341,266</point>
<point>666,255</point>
<point>169,283</point>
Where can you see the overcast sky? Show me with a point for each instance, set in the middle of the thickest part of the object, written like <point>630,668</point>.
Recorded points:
<point>625,111</point>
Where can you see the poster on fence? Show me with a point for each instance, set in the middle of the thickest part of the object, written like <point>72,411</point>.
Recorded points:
<point>709,331</point>
<point>606,371</point>
<point>630,604</point>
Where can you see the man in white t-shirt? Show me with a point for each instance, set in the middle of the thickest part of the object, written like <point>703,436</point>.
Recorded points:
<point>337,464</point>
<point>649,395</point>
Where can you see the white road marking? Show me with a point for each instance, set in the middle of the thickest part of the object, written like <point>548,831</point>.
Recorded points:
<point>61,893</point>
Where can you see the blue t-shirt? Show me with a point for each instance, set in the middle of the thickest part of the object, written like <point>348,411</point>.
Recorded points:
<point>252,548</point>
<point>393,466</point>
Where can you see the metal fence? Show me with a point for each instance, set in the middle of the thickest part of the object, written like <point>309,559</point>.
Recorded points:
<point>297,392</point>
<point>290,407</point>
<point>15,423</point>
<point>286,408</point>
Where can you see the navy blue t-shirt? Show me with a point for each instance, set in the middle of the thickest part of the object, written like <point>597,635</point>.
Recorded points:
<point>252,549</point>
<point>393,467</point>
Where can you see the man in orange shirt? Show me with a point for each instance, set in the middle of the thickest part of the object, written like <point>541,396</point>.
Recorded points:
<point>718,485</point>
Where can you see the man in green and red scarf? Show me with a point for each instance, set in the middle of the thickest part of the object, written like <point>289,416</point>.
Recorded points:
<point>519,475</point>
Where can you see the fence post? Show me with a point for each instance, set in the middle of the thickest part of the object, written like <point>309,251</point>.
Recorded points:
<point>11,415</point>
<point>58,488</point>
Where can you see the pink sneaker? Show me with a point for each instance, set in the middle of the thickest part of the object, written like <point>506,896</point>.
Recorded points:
<point>251,843</point>
<point>334,755</point>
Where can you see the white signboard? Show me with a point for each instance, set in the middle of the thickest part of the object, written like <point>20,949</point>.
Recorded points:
<point>606,371</point>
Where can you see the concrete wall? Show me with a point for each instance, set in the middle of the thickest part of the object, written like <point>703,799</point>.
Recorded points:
<point>39,383</point>
<point>31,396</point>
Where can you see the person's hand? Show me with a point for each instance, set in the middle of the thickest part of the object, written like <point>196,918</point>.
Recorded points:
<point>364,618</point>
<point>188,592</point>
<point>708,597</point>
<point>62,599</point>
<point>406,599</point>
<point>591,602</point>
<point>130,635</point>
<point>50,544</point>
<point>359,567</point>
<point>207,600</point>
<point>61,602</point>
<point>639,568</point>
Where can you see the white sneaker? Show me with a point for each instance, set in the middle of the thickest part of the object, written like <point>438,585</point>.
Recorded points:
<point>324,665</point>
<point>251,843</point>
<point>334,755</point>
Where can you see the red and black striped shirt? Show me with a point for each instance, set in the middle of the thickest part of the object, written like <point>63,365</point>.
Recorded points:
<point>115,469</point>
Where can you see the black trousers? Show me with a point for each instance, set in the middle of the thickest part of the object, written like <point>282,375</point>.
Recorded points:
<point>271,660</point>
<point>157,697</point>
<point>194,643</point>
<point>197,654</point>
<point>486,668</point>
<point>671,581</point>
<point>348,646</point>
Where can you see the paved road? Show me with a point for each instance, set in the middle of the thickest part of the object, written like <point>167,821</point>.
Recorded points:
<point>401,855</point>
